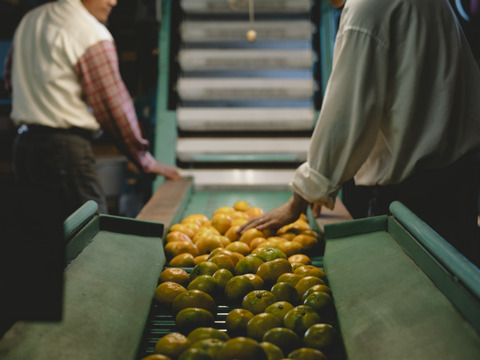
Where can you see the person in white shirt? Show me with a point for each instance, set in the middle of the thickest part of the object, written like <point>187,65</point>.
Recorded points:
<point>401,115</point>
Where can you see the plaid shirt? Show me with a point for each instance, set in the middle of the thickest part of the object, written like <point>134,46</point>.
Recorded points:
<point>112,106</point>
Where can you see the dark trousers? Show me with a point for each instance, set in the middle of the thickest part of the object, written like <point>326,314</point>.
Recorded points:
<point>445,199</point>
<point>61,163</point>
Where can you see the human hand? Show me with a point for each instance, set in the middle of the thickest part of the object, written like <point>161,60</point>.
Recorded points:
<point>170,172</point>
<point>276,218</point>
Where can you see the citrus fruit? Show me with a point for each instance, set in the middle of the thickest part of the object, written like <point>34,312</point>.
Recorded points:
<point>269,253</point>
<point>256,242</point>
<point>236,322</point>
<point>178,247</point>
<point>322,337</point>
<point>272,351</point>
<point>232,233</point>
<point>300,258</point>
<point>321,302</point>
<point>198,218</point>
<point>157,357</point>
<point>166,292</point>
<point>207,333</point>
<point>254,211</point>
<point>182,260</point>
<point>222,222</point>
<point>284,291</point>
<point>239,246</point>
<point>308,242</point>
<point>290,278</point>
<point>307,354</point>
<point>237,287</point>
<point>203,268</point>
<point>172,345</point>
<point>187,230</point>
<point>306,283</point>
<point>290,247</point>
<point>200,258</point>
<point>241,348</point>
<point>223,261</point>
<point>311,270</point>
<point>205,283</point>
<point>279,309</point>
<point>260,324</point>
<point>285,338</point>
<point>222,276</point>
<point>296,227</point>
<point>206,244</point>
<point>178,275</point>
<point>256,280</point>
<point>224,209</point>
<point>250,234</point>
<point>269,271</point>
<point>288,235</point>
<point>300,318</point>
<point>210,345</point>
<point>249,264</point>
<point>195,354</point>
<point>194,298</point>
<point>190,318</point>
<point>177,236</point>
<point>257,301</point>
<point>241,205</point>
<point>319,287</point>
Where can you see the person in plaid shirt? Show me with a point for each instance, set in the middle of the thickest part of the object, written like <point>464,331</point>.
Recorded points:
<point>64,78</point>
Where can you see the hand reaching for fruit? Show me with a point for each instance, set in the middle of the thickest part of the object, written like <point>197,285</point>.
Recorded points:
<point>276,218</point>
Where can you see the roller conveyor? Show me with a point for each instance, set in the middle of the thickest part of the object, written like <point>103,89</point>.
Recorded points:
<point>228,59</point>
<point>261,6</point>
<point>400,291</point>
<point>218,31</point>
<point>259,119</point>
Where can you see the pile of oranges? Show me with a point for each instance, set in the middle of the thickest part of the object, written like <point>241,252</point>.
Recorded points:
<point>281,305</point>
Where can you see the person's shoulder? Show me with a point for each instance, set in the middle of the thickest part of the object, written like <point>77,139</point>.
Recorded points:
<point>82,26</point>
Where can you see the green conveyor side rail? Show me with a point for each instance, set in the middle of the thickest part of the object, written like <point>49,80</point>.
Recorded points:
<point>237,158</point>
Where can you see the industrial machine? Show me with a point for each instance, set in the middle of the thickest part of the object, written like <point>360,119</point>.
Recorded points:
<point>236,115</point>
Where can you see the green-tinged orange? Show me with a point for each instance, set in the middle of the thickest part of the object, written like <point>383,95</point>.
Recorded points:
<point>300,318</point>
<point>272,351</point>
<point>236,288</point>
<point>260,324</point>
<point>196,299</point>
<point>191,318</point>
<point>285,338</point>
<point>307,354</point>
<point>172,345</point>
<point>236,322</point>
<point>257,301</point>
<point>279,309</point>
<point>241,348</point>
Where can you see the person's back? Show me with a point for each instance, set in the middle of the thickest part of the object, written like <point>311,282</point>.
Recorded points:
<point>46,89</point>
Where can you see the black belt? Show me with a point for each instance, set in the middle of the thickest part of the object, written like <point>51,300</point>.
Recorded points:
<point>40,129</point>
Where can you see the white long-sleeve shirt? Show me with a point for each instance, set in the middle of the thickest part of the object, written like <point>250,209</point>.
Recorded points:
<point>404,93</point>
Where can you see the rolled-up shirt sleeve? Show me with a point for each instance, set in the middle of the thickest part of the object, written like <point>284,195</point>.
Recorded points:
<point>106,94</point>
<point>349,120</point>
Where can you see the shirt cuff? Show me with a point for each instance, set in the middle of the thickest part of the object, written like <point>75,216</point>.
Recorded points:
<point>314,187</point>
<point>147,161</point>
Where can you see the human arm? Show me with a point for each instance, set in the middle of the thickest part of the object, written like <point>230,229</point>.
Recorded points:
<point>112,106</point>
<point>345,133</point>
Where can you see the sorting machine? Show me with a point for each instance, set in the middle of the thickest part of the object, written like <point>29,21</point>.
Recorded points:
<point>399,289</point>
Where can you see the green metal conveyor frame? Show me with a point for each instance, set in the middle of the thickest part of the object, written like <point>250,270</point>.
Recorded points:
<point>400,291</point>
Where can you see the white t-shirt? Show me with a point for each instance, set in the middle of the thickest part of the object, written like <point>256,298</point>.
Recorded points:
<point>48,43</point>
